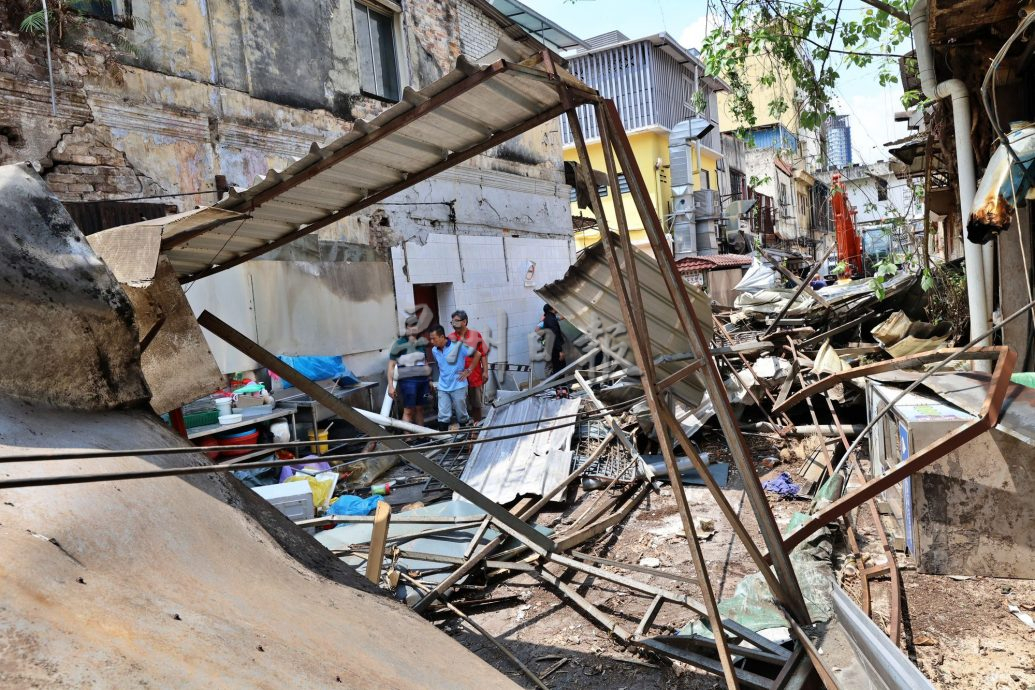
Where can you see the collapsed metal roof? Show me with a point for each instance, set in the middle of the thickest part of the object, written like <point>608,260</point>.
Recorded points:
<point>586,297</point>
<point>466,112</point>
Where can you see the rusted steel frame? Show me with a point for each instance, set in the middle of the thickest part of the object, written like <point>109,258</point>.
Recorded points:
<point>438,100</point>
<point>411,180</point>
<point>477,537</point>
<point>850,535</point>
<point>606,621</point>
<point>812,340</point>
<point>749,679</point>
<point>797,293</point>
<point>989,415</point>
<point>793,675</point>
<point>895,603</point>
<point>817,660</point>
<point>457,560</point>
<point>791,591</point>
<point>484,633</point>
<point>678,376</point>
<point>706,643</point>
<point>828,382</point>
<point>797,281</point>
<point>775,586</point>
<point>785,389</point>
<point>599,527</point>
<point>600,560</point>
<point>490,547</point>
<point>595,508</point>
<point>734,629</point>
<point>747,365</point>
<point>410,455</point>
<point>632,311</point>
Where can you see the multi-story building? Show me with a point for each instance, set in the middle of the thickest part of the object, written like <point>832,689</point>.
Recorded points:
<point>838,141</point>
<point>162,107</point>
<point>669,107</point>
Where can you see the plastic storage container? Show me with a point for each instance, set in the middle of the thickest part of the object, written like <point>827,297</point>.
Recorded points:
<point>238,439</point>
<point>293,499</point>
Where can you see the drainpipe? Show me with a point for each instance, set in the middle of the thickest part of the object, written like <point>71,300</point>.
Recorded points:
<point>977,286</point>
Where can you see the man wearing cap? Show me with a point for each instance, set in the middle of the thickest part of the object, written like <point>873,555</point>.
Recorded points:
<point>407,364</point>
<point>476,365</point>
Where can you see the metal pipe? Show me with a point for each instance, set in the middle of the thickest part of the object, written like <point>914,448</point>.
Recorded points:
<point>50,64</point>
<point>809,429</point>
<point>978,289</point>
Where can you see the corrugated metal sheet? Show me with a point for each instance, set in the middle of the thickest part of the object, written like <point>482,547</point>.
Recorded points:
<point>586,298</point>
<point>528,465</point>
<point>462,114</point>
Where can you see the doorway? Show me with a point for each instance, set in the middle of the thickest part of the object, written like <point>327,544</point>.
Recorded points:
<point>426,295</point>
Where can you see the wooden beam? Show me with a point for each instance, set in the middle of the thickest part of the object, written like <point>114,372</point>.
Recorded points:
<point>376,554</point>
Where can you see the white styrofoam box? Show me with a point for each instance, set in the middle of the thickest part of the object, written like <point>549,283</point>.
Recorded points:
<point>293,499</point>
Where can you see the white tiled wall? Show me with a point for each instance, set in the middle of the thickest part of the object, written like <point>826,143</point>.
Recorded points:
<point>488,283</point>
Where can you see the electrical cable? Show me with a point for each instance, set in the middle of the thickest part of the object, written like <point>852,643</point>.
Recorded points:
<point>132,452</point>
<point>350,458</point>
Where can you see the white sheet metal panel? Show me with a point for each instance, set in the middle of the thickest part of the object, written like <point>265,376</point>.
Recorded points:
<point>585,296</point>
<point>365,162</point>
<point>528,465</point>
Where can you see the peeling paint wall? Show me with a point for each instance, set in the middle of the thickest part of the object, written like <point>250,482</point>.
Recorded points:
<point>200,88</point>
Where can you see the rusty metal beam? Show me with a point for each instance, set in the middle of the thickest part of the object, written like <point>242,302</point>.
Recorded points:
<point>986,420</point>
<point>790,592</point>
<point>627,289</point>
<point>932,357</point>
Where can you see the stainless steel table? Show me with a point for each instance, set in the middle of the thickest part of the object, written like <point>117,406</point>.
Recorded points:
<point>301,402</point>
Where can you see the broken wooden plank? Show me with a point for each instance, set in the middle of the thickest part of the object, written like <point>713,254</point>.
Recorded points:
<point>376,554</point>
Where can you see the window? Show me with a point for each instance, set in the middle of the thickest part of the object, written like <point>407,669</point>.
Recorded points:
<point>112,11</point>
<point>623,184</point>
<point>375,42</point>
<point>882,189</point>
<point>706,179</point>
<point>601,192</point>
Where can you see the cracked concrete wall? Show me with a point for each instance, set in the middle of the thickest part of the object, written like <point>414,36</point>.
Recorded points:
<point>200,88</point>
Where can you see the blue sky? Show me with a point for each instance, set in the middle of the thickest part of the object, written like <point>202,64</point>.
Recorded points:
<point>870,107</point>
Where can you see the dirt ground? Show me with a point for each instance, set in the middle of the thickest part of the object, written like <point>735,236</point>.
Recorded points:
<point>959,632</point>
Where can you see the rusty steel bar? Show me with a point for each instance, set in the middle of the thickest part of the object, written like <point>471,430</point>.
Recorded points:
<point>632,307</point>
<point>409,455</point>
<point>791,592</point>
<point>951,441</point>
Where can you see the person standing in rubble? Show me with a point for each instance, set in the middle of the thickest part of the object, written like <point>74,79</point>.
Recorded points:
<point>477,363</point>
<point>409,374</point>
<point>453,376</point>
<point>551,323</point>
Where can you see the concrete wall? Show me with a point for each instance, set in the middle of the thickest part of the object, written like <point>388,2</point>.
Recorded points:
<point>479,265</point>
<point>201,88</point>
<point>761,164</point>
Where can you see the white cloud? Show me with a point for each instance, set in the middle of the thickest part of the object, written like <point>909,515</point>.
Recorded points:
<point>692,36</point>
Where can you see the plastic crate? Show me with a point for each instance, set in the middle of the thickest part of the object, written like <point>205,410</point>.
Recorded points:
<point>203,418</point>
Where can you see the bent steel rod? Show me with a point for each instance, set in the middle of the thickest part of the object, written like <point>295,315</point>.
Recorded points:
<point>630,300</point>
<point>205,469</point>
<point>184,450</point>
<point>791,591</point>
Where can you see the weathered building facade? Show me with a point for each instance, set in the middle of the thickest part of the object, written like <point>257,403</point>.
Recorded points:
<point>161,107</point>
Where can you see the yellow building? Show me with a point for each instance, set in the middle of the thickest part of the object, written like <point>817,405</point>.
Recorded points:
<point>655,84</point>
<point>761,96</point>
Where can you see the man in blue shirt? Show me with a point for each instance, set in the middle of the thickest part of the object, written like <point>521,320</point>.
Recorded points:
<point>452,376</point>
